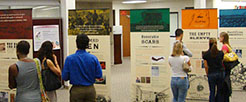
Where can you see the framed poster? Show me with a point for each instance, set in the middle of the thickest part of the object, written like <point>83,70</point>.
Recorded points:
<point>44,33</point>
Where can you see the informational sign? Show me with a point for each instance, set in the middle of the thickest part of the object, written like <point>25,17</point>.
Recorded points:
<point>150,48</point>
<point>199,19</point>
<point>91,22</point>
<point>233,22</point>
<point>199,25</point>
<point>16,24</point>
<point>94,23</point>
<point>46,33</point>
<point>100,47</point>
<point>150,20</point>
<point>8,57</point>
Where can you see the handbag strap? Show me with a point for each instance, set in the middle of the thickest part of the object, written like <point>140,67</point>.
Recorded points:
<point>229,48</point>
<point>43,93</point>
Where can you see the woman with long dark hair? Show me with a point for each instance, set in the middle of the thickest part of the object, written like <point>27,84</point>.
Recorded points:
<point>49,60</point>
<point>215,71</point>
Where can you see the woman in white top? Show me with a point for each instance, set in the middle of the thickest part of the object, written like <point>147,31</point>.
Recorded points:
<point>179,81</point>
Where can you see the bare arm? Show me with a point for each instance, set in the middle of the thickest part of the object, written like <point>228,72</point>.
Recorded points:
<point>206,66</point>
<point>54,67</point>
<point>12,75</point>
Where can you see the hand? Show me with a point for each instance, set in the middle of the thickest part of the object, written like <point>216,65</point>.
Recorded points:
<point>55,59</point>
<point>54,56</point>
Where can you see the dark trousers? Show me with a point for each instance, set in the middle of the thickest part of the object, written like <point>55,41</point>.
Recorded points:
<point>215,81</point>
<point>82,94</point>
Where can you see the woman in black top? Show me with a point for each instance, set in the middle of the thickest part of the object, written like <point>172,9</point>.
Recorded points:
<point>49,60</point>
<point>214,70</point>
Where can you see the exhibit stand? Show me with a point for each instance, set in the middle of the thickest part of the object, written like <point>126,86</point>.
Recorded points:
<point>96,24</point>
<point>150,73</point>
<point>233,22</point>
<point>199,25</point>
<point>15,25</point>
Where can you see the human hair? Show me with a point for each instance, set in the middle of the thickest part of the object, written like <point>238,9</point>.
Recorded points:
<point>46,50</point>
<point>177,49</point>
<point>82,41</point>
<point>23,47</point>
<point>178,32</point>
<point>213,47</point>
<point>225,38</point>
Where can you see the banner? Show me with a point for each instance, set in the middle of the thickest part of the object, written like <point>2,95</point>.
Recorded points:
<point>199,19</point>
<point>16,24</point>
<point>150,43</point>
<point>94,23</point>
<point>90,22</point>
<point>150,20</point>
<point>198,25</point>
<point>233,22</point>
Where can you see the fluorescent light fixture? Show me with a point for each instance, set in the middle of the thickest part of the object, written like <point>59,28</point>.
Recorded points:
<point>39,7</point>
<point>51,8</point>
<point>134,1</point>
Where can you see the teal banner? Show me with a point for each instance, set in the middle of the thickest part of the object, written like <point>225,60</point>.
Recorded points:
<point>150,20</point>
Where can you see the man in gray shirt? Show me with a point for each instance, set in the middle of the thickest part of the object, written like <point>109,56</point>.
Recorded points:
<point>179,36</point>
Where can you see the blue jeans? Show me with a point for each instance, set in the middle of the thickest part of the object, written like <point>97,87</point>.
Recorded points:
<point>179,88</point>
<point>215,81</point>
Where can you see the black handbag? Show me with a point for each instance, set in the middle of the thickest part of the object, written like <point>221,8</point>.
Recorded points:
<point>231,65</point>
<point>50,80</point>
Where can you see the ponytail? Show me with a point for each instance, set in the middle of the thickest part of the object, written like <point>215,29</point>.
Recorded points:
<point>214,50</point>
<point>213,47</point>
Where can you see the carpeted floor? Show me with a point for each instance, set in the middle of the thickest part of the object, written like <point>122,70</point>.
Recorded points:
<point>120,80</point>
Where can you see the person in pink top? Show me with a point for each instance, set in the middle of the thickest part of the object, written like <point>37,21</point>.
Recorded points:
<point>224,39</point>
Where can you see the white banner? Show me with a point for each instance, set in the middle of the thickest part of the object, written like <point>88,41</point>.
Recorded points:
<point>99,46</point>
<point>149,66</point>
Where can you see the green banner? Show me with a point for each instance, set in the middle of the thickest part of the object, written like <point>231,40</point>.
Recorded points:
<point>150,20</point>
<point>90,22</point>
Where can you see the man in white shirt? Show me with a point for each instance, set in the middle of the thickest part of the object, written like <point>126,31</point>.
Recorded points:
<point>179,36</point>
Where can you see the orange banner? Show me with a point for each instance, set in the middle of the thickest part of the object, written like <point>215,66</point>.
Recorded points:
<point>199,19</point>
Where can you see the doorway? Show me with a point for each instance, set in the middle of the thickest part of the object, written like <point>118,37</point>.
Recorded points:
<point>125,23</point>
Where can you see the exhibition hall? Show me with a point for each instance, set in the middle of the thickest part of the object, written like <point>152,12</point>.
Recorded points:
<point>122,50</point>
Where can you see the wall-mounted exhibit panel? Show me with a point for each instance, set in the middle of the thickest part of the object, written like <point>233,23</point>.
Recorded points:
<point>15,26</point>
<point>233,22</point>
<point>94,23</point>
<point>150,73</point>
<point>199,25</point>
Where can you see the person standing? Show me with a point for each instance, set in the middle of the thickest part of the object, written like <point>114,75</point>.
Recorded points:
<point>224,39</point>
<point>82,68</point>
<point>179,79</point>
<point>49,61</point>
<point>23,76</point>
<point>213,59</point>
<point>179,37</point>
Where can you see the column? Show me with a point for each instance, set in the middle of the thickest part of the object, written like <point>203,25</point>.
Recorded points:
<point>65,6</point>
<point>199,4</point>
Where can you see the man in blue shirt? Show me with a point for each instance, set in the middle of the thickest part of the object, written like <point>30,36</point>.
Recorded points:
<point>82,69</point>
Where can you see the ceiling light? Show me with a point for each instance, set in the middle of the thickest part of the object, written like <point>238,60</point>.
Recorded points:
<point>51,8</point>
<point>39,7</point>
<point>134,2</point>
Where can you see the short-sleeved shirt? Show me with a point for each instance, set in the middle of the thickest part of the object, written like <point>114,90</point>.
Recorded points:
<point>176,63</point>
<point>214,64</point>
<point>225,47</point>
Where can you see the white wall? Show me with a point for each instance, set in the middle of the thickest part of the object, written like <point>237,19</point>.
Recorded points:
<point>175,6</point>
